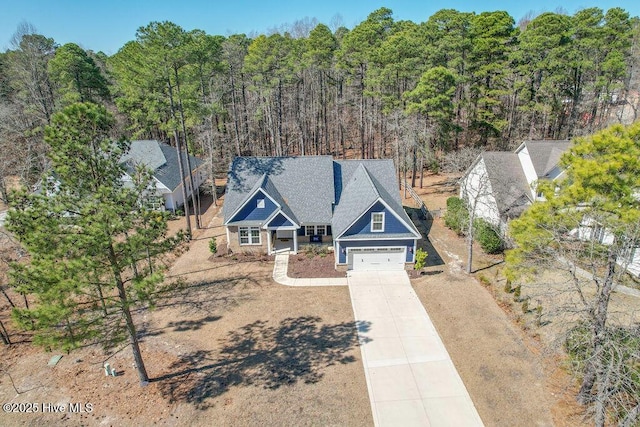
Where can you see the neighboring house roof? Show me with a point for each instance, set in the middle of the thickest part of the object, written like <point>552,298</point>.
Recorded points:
<point>304,185</point>
<point>508,182</point>
<point>545,155</point>
<point>161,159</point>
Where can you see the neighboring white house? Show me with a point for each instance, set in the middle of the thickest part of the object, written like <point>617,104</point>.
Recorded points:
<point>162,160</point>
<point>500,185</point>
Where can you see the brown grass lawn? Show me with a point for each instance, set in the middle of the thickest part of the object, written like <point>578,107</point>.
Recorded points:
<point>228,347</point>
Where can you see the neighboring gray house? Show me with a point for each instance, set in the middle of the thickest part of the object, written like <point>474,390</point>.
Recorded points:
<point>162,160</point>
<point>354,206</point>
<point>499,185</point>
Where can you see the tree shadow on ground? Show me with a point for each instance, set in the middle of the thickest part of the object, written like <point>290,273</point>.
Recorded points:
<point>488,266</point>
<point>146,330</point>
<point>260,355</point>
<point>207,295</point>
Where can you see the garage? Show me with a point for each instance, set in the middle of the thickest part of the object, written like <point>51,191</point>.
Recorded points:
<point>376,259</point>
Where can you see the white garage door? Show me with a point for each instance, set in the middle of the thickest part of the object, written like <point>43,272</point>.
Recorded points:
<point>376,259</point>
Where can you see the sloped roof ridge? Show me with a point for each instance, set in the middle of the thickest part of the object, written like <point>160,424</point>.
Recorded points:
<point>393,203</point>
<point>272,190</point>
<point>366,173</point>
<point>355,198</point>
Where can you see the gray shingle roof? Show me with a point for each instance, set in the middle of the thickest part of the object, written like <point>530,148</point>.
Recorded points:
<point>358,195</point>
<point>307,187</point>
<point>146,152</point>
<point>304,184</point>
<point>272,190</point>
<point>161,158</point>
<point>363,182</point>
<point>545,155</point>
<point>508,181</point>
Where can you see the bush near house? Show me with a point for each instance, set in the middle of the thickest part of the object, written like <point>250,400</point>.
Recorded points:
<point>488,238</point>
<point>457,215</point>
<point>421,259</point>
<point>213,246</point>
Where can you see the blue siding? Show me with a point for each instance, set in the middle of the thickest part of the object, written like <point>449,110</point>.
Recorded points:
<point>250,211</point>
<point>280,221</point>
<point>342,257</point>
<point>363,224</point>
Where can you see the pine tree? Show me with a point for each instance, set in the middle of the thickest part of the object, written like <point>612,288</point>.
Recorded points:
<point>91,239</point>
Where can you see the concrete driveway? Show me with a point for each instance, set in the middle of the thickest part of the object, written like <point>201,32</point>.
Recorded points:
<point>410,376</point>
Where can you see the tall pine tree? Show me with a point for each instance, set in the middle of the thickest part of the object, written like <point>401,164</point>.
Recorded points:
<point>91,238</point>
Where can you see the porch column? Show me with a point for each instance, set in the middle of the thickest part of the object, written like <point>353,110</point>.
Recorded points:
<point>268,242</point>
<point>295,241</point>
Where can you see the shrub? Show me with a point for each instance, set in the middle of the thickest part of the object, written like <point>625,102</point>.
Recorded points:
<point>457,215</point>
<point>516,293</point>
<point>312,250</point>
<point>213,246</point>
<point>539,314</point>
<point>421,259</point>
<point>507,286</point>
<point>484,280</point>
<point>485,234</point>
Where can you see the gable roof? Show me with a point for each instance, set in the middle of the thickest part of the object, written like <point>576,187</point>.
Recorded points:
<point>508,181</point>
<point>161,159</point>
<point>308,187</point>
<point>363,182</point>
<point>358,195</point>
<point>303,186</point>
<point>545,155</point>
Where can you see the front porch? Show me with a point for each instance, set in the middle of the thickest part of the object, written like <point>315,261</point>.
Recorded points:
<point>290,240</point>
<point>281,240</point>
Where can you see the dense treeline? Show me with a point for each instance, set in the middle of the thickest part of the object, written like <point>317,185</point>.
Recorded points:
<point>385,88</point>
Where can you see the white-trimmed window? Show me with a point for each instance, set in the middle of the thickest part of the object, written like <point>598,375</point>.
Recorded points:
<point>260,203</point>
<point>249,235</point>
<point>315,230</point>
<point>377,222</point>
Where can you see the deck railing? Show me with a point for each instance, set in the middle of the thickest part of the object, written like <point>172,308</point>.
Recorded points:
<point>418,200</point>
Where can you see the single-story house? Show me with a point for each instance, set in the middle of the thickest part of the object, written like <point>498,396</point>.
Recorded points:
<point>352,206</point>
<point>162,160</point>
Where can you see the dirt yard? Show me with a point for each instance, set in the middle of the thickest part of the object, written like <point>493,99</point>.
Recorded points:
<point>510,376</point>
<point>231,347</point>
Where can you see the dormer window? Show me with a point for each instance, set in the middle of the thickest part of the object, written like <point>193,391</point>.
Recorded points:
<point>377,222</point>
<point>260,204</point>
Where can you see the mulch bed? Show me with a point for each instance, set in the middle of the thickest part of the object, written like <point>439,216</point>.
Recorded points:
<point>303,266</point>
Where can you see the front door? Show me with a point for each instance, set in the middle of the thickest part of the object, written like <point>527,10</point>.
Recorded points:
<point>284,241</point>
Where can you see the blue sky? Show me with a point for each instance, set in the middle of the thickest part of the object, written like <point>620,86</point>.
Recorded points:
<point>108,25</point>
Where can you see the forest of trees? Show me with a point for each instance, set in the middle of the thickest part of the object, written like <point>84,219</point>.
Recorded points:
<point>385,88</point>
